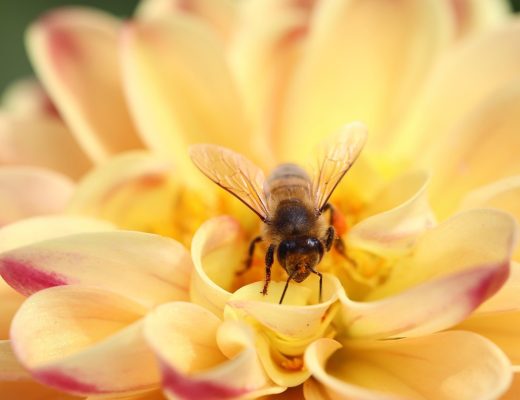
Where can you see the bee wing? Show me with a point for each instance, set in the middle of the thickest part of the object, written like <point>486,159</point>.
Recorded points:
<point>335,156</point>
<point>234,173</point>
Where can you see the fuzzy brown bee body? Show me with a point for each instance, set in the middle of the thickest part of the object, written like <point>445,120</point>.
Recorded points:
<point>289,202</point>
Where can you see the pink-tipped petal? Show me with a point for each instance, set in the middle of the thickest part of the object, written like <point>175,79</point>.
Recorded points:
<point>452,270</point>
<point>40,141</point>
<point>30,191</point>
<point>476,16</point>
<point>179,87</point>
<point>394,231</point>
<point>27,98</point>
<point>84,340</point>
<point>363,61</point>
<point>445,366</point>
<point>219,14</point>
<point>74,51</point>
<point>217,362</point>
<point>148,268</point>
<point>218,249</point>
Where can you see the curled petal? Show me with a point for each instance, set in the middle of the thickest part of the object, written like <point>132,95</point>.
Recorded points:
<point>217,13</point>
<point>217,251</point>
<point>445,366</point>
<point>506,299</point>
<point>84,340</point>
<point>179,87</point>
<point>217,362</point>
<point>40,141</point>
<point>148,268</point>
<point>400,42</point>
<point>38,229</point>
<point>452,270</point>
<point>31,191</point>
<point>394,231</point>
<point>65,46</point>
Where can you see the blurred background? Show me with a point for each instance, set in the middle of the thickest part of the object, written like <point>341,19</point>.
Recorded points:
<point>15,15</point>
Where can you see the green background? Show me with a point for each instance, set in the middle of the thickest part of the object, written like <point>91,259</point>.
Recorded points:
<point>15,15</point>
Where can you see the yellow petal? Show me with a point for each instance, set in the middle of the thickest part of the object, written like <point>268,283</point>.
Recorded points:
<point>127,187</point>
<point>507,298</point>
<point>217,13</point>
<point>31,191</point>
<point>84,340</point>
<point>74,52</point>
<point>476,16</point>
<point>147,268</point>
<point>266,48</point>
<point>40,141</point>
<point>460,87</point>
<point>179,87</point>
<point>395,230</point>
<point>364,61</point>
<point>37,229</point>
<point>445,366</point>
<point>27,98</point>
<point>218,361</point>
<point>218,249</point>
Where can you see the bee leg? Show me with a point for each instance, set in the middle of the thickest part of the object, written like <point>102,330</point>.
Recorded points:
<point>269,259</point>
<point>329,239</point>
<point>249,260</point>
<point>286,286</point>
<point>321,280</point>
<point>339,245</point>
<point>329,207</point>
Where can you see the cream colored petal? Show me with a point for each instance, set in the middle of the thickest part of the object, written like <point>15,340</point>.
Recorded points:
<point>10,301</point>
<point>266,48</point>
<point>85,341</point>
<point>445,366</point>
<point>217,13</point>
<point>217,362</point>
<point>30,191</point>
<point>179,87</point>
<point>394,231</point>
<point>74,51</point>
<point>469,241</point>
<point>27,98</point>
<point>364,61</point>
<point>41,141</point>
<point>127,187</point>
<point>147,268</point>
<point>476,16</point>
<point>503,194</point>
<point>479,150</point>
<point>503,328</point>
<point>462,85</point>
<point>218,250</point>
<point>507,298</point>
<point>37,229</point>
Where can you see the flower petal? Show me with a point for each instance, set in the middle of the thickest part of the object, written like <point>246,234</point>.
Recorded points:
<point>264,55</point>
<point>127,187</point>
<point>445,366</point>
<point>10,301</point>
<point>514,390</point>
<point>40,141</point>
<point>27,98</point>
<point>217,362</point>
<point>474,16</point>
<point>30,191</point>
<point>217,251</point>
<point>394,231</point>
<point>84,340</point>
<point>437,112</point>
<point>74,52</point>
<point>217,13</point>
<point>179,87</point>
<point>507,298</point>
<point>343,78</point>
<point>452,270</point>
<point>148,268</point>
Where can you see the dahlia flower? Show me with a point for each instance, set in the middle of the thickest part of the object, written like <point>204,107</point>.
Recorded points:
<point>426,308</point>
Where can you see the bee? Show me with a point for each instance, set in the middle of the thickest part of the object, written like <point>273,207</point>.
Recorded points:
<point>290,203</point>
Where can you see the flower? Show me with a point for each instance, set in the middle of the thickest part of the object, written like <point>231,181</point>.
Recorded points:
<point>132,304</point>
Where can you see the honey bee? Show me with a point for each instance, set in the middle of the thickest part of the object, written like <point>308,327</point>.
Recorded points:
<point>290,203</point>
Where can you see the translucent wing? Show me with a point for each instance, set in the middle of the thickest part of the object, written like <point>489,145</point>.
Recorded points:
<point>233,172</point>
<point>335,156</point>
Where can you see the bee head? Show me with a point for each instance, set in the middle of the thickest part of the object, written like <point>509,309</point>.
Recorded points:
<point>298,256</point>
